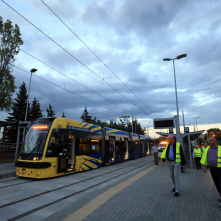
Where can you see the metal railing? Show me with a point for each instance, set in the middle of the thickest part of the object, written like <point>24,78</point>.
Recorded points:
<point>9,148</point>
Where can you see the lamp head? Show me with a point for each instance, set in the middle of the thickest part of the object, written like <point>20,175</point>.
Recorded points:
<point>33,70</point>
<point>166,59</point>
<point>181,56</point>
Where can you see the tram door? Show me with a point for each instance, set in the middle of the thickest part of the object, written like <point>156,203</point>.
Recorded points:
<point>112,146</point>
<point>145,148</point>
<point>126,149</point>
<point>66,152</point>
<point>142,148</point>
<point>71,151</point>
<point>148,148</point>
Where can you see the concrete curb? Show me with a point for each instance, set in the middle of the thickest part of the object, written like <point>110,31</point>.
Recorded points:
<point>6,175</point>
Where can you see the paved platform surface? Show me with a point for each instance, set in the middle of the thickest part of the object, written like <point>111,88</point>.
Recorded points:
<point>149,197</point>
<point>142,195</point>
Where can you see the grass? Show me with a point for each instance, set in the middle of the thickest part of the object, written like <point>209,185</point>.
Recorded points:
<point>7,161</point>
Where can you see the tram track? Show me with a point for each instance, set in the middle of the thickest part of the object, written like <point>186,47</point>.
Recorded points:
<point>52,190</point>
<point>16,184</point>
<point>70,195</point>
<point>49,191</point>
<point>9,180</point>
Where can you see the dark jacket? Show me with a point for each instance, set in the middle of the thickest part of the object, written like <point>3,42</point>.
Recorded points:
<point>174,151</point>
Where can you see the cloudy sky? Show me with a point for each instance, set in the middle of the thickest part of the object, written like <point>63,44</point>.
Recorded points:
<point>109,57</point>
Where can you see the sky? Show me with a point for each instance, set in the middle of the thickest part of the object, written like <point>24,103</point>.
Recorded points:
<point>108,56</point>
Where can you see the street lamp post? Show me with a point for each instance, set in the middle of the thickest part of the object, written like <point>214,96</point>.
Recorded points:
<point>32,71</point>
<point>196,122</point>
<point>178,122</point>
<point>197,128</point>
<point>26,112</point>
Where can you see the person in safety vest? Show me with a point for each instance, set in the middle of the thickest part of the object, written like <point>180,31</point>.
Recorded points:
<point>197,154</point>
<point>212,157</point>
<point>173,152</point>
<point>204,149</point>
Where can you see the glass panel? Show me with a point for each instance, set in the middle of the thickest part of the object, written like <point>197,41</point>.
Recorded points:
<point>95,148</point>
<point>84,140</point>
<point>52,150</point>
<point>83,149</point>
<point>35,140</point>
<point>58,143</point>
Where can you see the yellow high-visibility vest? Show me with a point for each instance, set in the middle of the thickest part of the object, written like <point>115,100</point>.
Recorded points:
<point>203,148</point>
<point>197,153</point>
<point>177,157</point>
<point>204,160</point>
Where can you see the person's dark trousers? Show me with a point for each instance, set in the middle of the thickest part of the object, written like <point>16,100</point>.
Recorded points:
<point>198,164</point>
<point>156,157</point>
<point>216,175</point>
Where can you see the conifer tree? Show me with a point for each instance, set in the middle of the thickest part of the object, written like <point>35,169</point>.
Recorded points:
<point>18,113</point>
<point>139,129</point>
<point>35,110</point>
<point>50,112</point>
<point>63,115</point>
<point>85,116</point>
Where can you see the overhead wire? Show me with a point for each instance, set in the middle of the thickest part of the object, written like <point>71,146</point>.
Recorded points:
<point>67,90</point>
<point>72,55</point>
<point>93,52</point>
<point>73,79</point>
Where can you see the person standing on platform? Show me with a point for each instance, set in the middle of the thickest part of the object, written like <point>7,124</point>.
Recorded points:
<point>212,157</point>
<point>173,152</point>
<point>155,153</point>
<point>197,154</point>
<point>204,149</point>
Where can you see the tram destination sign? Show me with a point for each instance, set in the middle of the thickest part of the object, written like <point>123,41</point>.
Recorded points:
<point>77,128</point>
<point>163,123</point>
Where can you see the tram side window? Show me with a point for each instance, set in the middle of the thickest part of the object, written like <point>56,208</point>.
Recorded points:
<point>95,147</point>
<point>135,145</point>
<point>52,150</point>
<point>84,146</point>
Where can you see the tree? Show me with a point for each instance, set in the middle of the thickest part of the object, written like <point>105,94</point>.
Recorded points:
<point>122,125</point>
<point>85,116</point>
<point>10,43</point>
<point>213,130</point>
<point>50,112</point>
<point>104,124</point>
<point>18,113</point>
<point>35,110</point>
<point>63,115</point>
<point>139,129</point>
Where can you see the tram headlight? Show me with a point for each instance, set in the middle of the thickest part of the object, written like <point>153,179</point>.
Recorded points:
<point>36,158</point>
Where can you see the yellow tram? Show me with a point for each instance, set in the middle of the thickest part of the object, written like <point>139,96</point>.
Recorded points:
<point>59,146</point>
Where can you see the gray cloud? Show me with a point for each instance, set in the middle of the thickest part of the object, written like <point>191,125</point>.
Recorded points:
<point>132,38</point>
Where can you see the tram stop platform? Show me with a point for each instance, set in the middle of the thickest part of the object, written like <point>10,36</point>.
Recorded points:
<point>142,191</point>
<point>147,195</point>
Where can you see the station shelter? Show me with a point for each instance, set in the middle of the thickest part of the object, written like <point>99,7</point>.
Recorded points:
<point>186,138</point>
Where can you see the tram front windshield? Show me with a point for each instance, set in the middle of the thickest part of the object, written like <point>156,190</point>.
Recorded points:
<point>35,139</point>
